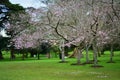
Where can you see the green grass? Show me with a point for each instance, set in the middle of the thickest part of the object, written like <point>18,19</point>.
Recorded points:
<point>51,69</point>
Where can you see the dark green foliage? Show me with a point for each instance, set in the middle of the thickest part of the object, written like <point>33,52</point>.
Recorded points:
<point>3,42</point>
<point>3,45</point>
<point>45,47</point>
<point>108,46</point>
<point>12,7</point>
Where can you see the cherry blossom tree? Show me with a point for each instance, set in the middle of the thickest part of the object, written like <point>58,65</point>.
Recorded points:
<point>64,18</point>
<point>73,20</point>
<point>28,29</point>
<point>19,21</point>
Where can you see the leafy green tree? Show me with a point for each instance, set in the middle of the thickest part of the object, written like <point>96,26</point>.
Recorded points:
<point>12,8</point>
<point>3,43</point>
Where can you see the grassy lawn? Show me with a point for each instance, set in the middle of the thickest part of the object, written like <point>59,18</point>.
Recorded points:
<point>51,69</point>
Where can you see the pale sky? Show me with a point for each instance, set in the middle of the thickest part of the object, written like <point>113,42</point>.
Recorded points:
<point>29,3</point>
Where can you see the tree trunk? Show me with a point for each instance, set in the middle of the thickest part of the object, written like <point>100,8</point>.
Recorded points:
<point>63,56</point>
<point>62,51</point>
<point>31,54</point>
<point>95,53</point>
<point>38,56</point>
<point>26,55</point>
<point>98,51</point>
<point>12,56</point>
<point>23,56</point>
<point>102,52</point>
<point>79,56</point>
<point>48,55</point>
<point>74,54</point>
<point>87,55</point>
<point>111,53</point>
<point>1,56</point>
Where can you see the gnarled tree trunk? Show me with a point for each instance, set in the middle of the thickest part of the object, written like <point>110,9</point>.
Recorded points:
<point>79,56</point>
<point>95,54</point>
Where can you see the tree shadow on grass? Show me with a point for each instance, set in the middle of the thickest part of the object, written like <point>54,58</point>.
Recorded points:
<point>78,64</point>
<point>111,62</point>
<point>63,61</point>
<point>97,66</point>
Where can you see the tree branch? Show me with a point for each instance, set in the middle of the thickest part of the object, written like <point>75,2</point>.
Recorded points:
<point>114,11</point>
<point>56,30</point>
